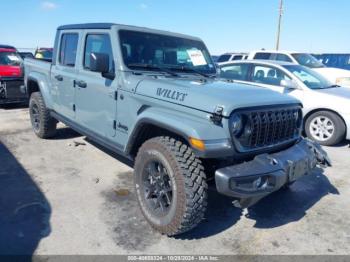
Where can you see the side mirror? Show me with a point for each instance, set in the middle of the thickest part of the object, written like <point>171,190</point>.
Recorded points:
<point>99,62</point>
<point>289,84</point>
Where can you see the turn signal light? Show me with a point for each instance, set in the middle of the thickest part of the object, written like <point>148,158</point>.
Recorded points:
<point>197,143</point>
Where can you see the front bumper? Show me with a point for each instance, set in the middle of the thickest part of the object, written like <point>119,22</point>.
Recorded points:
<point>346,118</point>
<point>250,181</point>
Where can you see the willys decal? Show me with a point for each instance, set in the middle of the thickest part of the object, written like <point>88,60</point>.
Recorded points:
<point>171,94</point>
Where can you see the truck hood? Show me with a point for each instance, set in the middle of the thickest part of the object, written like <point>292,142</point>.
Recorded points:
<point>10,71</point>
<point>207,95</point>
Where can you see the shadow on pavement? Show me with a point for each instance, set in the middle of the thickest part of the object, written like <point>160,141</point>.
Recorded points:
<point>65,133</point>
<point>220,215</point>
<point>24,210</point>
<point>277,209</point>
<point>289,205</point>
<point>14,106</point>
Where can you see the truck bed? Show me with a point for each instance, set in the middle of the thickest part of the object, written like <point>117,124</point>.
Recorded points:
<point>39,66</point>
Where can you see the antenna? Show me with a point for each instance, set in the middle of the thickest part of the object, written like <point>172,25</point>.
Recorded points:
<point>279,25</point>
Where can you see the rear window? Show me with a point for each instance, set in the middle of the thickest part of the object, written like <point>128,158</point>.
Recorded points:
<point>224,58</point>
<point>237,57</point>
<point>283,57</point>
<point>264,56</point>
<point>68,49</point>
<point>10,59</point>
<point>43,54</point>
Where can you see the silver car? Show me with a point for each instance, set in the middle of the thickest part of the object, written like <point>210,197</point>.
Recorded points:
<point>326,106</point>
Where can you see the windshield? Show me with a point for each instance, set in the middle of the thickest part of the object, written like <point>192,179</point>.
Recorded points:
<point>308,60</point>
<point>152,51</point>
<point>10,59</point>
<point>309,77</point>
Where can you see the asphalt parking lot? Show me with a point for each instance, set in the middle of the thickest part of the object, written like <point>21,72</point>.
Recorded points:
<point>67,196</point>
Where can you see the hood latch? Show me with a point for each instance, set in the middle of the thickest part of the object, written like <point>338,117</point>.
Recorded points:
<point>216,117</point>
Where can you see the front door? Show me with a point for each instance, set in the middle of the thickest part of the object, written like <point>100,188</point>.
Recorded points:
<point>95,100</point>
<point>63,73</point>
<point>269,77</point>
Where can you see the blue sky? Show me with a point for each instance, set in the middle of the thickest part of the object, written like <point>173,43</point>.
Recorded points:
<point>224,25</point>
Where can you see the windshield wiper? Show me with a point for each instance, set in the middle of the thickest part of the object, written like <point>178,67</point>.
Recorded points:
<point>191,70</point>
<point>333,86</point>
<point>152,67</point>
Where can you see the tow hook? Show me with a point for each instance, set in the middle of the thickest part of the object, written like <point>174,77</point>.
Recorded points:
<point>321,156</point>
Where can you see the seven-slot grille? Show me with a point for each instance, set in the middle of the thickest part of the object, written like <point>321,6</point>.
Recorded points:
<point>270,127</point>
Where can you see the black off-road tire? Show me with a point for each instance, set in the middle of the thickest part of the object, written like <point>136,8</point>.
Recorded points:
<point>339,128</point>
<point>185,170</point>
<point>44,126</point>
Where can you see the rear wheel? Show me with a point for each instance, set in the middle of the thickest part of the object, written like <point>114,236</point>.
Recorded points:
<point>170,185</point>
<point>325,128</point>
<point>44,126</point>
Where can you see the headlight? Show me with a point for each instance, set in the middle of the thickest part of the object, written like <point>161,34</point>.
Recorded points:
<point>343,81</point>
<point>236,124</point>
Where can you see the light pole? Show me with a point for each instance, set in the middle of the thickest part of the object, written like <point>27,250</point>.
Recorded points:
<point>279,25</point>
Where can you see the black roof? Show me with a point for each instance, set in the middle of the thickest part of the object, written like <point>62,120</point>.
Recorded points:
<point>87,26</point>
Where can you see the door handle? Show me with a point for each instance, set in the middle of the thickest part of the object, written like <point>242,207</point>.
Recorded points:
<point>79,83</point>
<point>59,78</point>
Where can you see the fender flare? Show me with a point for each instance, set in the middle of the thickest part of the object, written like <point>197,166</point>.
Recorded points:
<point>43,85</point>
<point>183,125</point>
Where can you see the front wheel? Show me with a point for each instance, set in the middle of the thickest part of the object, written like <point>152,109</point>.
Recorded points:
<point>325,127</point>
<point>170,185</point>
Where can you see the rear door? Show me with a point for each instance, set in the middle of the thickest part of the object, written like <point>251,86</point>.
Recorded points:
<point>96,103</point>
<point>64,71</point>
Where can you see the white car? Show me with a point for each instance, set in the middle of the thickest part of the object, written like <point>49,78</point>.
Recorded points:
<point>326,106</point>
<point>335,75</point>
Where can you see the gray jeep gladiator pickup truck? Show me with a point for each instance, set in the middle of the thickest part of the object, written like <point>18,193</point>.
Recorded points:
<point>153,96</point>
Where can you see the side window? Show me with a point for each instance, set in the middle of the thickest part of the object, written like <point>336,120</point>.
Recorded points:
<point>268,75</point>
<point>68,49</point>
<point>235,72</point>
<point>98,43</point>
<point>262,55</point>
<point>283,57</point>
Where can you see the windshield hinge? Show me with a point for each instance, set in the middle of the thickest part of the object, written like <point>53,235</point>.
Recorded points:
<point>217,115</point>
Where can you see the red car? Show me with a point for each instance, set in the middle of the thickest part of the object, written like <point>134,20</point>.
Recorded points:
<point>11,76</point>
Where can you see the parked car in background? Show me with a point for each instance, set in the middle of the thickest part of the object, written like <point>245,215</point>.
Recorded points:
<point>334,75</point>
<point>44,53</point>
<point>334,60</point>
<point>231,57</point>
<point>8,47</point>
<point>11,76</point>
<point>152,96</point>
<point>326,106</point>
<point>215,58</point>
<point>26,55</point>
